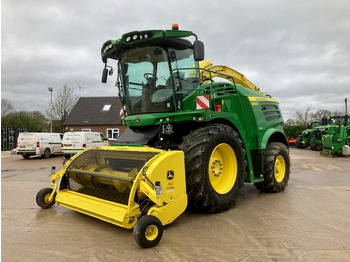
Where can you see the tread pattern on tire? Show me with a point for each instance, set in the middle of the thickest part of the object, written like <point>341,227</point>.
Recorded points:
<point>47,153</point>
<point>270,184</point>
<point>201,195</point>
<point>40,198</point>
<point>140,227</point>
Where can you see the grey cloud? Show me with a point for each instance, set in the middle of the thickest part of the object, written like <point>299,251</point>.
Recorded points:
<point>297,51</point>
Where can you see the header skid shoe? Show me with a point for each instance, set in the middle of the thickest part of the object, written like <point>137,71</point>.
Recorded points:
<point>121,185</point>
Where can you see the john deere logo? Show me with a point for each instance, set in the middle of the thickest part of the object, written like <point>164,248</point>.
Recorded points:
<point>137,121</point>
<point>170,175</point>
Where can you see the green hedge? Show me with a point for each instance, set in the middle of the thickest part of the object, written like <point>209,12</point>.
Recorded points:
<point>293,131</point>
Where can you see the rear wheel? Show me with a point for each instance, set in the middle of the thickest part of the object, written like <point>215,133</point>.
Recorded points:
<point>25,156</point>
<point>148,231</point>
<point>215,167</point>
<point>42,198</point>
<point>47,153</point>
<point>277,168</point>
<point>315,147</point>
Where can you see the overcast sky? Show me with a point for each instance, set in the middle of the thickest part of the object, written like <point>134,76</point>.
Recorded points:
<point>296,51</point>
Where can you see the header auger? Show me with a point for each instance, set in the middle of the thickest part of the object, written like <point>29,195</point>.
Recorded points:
<point>222,134</point>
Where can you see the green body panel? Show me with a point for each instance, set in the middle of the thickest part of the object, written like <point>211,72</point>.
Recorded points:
<point>335,139</point>
<point>256,117</point>
<point>308,134</point>
<point>112,46</point>
<point>247,117</point>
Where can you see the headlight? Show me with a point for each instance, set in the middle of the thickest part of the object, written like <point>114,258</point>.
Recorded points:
<point>128,38</point>
<point>107,48</point>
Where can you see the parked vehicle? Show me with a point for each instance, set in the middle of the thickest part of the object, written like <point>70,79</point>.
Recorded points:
<point>190,141</point>
<point>303,140</point>
<point>73,142</point>
<point>44,144</point>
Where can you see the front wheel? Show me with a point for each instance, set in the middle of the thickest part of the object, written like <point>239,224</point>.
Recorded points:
<point>215,167</point>
<point>277,168</point>
<point>299,142</point>
<point>148,231</point>
<point>42,198</point>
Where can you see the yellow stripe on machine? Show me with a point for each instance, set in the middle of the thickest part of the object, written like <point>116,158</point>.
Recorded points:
<point>261,99</point>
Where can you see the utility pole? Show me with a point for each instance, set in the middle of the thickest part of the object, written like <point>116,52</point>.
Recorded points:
<point>346,106</point>
<point>50,90</point>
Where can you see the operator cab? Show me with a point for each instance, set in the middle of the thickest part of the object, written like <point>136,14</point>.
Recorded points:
<point>148,85</point>
<point>337,120</point>
<point>155,73</point>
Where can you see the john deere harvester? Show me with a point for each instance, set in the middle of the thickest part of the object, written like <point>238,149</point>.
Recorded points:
<point>196,132</point>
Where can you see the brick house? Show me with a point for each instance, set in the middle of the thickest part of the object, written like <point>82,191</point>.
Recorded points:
<point>96,114</point>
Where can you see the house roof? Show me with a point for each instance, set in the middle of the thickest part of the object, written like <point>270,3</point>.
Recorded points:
<point>92,111</point>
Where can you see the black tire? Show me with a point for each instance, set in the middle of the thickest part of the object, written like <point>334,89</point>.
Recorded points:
<point>275,176</point>
<point>47,153</point>
<point>42,198</point>
<point>148,231</point>
<point>299,142</point>
<point>67,156</point>
<point>25,156</point>
<point>315,147</point>
<point>319,147</point>
<point>199,146</point>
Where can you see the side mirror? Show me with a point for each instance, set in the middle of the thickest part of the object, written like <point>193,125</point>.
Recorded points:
<point>104,75</point>
<point>198,50</point>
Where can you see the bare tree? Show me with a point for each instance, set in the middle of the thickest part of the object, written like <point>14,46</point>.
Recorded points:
<point>319,114</point>
<point>6,106</point>
<point>303,116</point>
<point>290,122</point>
<point>63,102</point>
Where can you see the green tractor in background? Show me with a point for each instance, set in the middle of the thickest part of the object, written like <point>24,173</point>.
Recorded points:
<point>316,142</point>
<point>316,139</point>
<point>303,140</point>
<point>312,136</point>
<point>337,139</point>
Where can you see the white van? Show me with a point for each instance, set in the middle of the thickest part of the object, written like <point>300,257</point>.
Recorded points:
<point>73,142</point>
<point>45,144</point>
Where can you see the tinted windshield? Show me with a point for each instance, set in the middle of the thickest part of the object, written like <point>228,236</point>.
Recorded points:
<point>146,79</point>
<point>182,62</point>
<point>336,120</point>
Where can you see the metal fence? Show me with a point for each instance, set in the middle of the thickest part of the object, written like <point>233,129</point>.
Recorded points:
<point>9,137</point>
